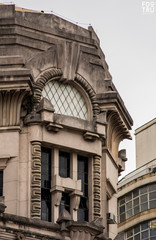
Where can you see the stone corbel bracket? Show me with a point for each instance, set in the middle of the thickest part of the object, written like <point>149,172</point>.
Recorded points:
<point>89,136</point>
<point>3,161</point>
<point>54,127</point>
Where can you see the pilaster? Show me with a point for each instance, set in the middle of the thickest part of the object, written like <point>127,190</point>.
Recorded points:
<point>36,180</point>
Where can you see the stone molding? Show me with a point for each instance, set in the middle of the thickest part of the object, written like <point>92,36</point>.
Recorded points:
<point>91,93</point>
<point>36,180</point>
<point>97,186</point>
<point>50,74</point>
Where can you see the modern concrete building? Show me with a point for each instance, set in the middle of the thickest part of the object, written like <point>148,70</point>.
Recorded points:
<point>61,123</point>
<point>137,190</point>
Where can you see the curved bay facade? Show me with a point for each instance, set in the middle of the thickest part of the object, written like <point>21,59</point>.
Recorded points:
<point>137,190</point>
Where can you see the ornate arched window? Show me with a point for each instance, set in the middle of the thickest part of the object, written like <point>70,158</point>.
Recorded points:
<point>66,99</point>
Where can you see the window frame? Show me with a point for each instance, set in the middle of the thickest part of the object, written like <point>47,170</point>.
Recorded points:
<point>82,92</point>
<point>134,195</point>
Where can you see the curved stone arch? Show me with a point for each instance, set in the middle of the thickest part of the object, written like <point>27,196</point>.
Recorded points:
<point>54,74</point>
<point>50,74</point>
<point>91,93</point>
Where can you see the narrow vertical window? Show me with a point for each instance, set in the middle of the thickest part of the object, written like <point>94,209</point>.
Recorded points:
<point>1,183</point>
<point>83,175</point>
<point>46,184</point>
<point>64,164</point>
<point>65,202</point>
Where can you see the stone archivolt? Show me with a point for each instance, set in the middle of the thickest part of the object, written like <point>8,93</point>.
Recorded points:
<point>91,93</point>
<point>50,74</point>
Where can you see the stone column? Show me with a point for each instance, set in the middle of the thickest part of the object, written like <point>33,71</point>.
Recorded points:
<point>97,186</point>
<point>36,180</point>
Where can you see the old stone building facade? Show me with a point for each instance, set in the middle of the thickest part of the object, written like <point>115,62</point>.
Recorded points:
<point>137,190</point>
<point>61,123</point>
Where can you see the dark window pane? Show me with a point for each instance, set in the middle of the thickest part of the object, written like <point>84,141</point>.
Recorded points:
<point>45,205</point>
<point>137,229</point>
<point>129,213</point>
<point>45,168</point>
<point>144,235</point>
<point>45,184</point>
<point>1,183</point>
<point>122,217</point>
<point>122,209</point>
<point>137,237</point>
<point>144,207</point>
<point>153,232</point>
<point>136,193</point>
<point>153,204</point>
<point>143,190</point>
<point>65,202</point>
<point>83,175</point>
<point>64,164</point>
<point>143,198</point>
<point>144,226</point>
<point>128,197</point>
<point>136,210</point>
<point>130,232</point>
<point>152,187</point>
<point>136,202</point>
<point>83,210</point>
<point>122,201</point>
<point>129,205</point>
<point>152,195</point>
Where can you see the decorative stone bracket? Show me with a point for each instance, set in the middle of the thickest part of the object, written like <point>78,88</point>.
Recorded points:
<point>3,161</point>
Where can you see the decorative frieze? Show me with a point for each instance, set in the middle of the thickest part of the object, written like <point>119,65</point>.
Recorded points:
<point>36,180</point>
<point>97,186</point>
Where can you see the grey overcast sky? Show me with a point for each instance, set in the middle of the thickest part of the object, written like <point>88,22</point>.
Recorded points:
<point>127,33</point>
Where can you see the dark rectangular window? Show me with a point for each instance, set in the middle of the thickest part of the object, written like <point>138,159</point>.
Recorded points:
<point>1,183</point>
<point>83,175</point>
<point>46,184</point>
<point>64,164</point>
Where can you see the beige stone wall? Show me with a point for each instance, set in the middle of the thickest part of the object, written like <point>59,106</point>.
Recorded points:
<point>9,150</point>
<point>145,143</point>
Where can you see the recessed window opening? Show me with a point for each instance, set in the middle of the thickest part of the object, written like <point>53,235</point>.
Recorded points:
<point>83,175</point>
<point>64,164</point>
<point>46,184</point>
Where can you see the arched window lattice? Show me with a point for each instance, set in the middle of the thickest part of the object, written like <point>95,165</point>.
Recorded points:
<point>66,99</point>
